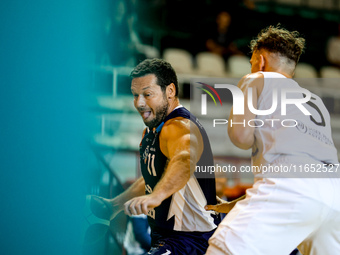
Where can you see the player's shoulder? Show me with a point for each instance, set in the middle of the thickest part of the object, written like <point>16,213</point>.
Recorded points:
<point>177,127</point>
<point>252,80</point>
<point>257,75</point>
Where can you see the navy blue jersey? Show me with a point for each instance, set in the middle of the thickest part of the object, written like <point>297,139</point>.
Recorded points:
<point>184,210</point>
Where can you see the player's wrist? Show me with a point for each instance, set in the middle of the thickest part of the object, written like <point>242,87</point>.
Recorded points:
<point>158,197</point>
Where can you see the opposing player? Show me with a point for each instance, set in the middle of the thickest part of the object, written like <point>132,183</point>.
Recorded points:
<point>170,192</point>
<point>288,207</point>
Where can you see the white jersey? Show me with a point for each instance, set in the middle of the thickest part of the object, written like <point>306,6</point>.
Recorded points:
<point>307,138</point>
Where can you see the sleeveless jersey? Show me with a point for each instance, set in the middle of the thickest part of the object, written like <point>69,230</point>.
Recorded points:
<point>307,138</point>
<point>184,210</point>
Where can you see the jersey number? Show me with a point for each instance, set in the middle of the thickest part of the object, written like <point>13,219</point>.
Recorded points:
<point>322,122</point>
<point>151,161</point>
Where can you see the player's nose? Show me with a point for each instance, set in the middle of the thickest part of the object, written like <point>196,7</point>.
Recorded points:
<point>140,102</point>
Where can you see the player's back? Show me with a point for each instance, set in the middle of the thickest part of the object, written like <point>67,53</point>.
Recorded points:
<point>292,133</point>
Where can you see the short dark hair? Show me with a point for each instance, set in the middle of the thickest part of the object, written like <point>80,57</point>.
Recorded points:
<point>279,40</point>
<point>163,71</point>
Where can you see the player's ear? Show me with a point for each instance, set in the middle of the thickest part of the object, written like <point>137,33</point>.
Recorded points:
<point>171,91</point>
<point>262,62</point>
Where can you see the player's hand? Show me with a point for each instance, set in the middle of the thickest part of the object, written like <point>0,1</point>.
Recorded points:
<point>104,208</point>
<point>141,205</point>
<point>222,206</point>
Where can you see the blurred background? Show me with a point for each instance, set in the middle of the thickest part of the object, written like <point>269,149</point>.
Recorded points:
<point>69,127</point>
<point>205,38</point>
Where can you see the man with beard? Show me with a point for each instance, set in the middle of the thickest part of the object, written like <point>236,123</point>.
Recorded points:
<point>170,192</point>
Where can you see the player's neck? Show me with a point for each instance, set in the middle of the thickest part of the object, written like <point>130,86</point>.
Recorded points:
<point>172,105</point>
<point>275,63</point>
<point>280,71</point>
<point>285,74</point>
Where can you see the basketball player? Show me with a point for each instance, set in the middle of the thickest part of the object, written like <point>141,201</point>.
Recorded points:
<point>174,142</point>
<point>283,210</point>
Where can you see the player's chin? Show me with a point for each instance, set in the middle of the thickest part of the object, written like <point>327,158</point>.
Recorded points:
<point>149,122</point>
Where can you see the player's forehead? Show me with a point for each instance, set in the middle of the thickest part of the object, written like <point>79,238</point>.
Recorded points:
<point>145,82</point>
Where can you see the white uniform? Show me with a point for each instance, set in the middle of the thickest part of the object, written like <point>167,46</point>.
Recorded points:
<point>280,213</point>
<point>306,138</point>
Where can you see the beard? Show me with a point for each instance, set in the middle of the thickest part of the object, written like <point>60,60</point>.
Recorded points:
<point>159,115</point>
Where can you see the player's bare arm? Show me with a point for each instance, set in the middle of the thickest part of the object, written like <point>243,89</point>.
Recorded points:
<point>182,144</point>
<point>243,136</point>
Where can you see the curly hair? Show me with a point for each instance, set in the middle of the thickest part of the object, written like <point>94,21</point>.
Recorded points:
<point>163,71</point>
<point>279,40</point>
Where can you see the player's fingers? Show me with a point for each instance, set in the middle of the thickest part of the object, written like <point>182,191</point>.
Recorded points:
<point>210,207</point>
<point>132,207</point>
<point>219,200</point>
<point>138,207</point>
<point>126,208</point>
<point>145,208</point>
